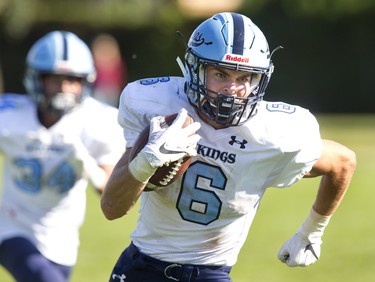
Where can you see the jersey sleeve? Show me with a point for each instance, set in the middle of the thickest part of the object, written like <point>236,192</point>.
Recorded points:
<point>143,99</point>
<point>15,111</point>
<point>298,136</point>
<point>102,136</point>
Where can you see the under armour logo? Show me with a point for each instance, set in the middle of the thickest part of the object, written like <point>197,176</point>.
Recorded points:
<point>234,140</point>
<point>122,277</point>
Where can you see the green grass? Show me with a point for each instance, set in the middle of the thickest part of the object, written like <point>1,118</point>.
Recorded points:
<point>348,252</point>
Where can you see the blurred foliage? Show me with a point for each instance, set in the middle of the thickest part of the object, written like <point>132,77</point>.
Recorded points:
<point>333,9</point>
<point>328,44</point>
<point>18,16</point>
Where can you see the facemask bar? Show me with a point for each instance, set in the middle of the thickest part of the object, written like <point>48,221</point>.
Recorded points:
<point>223,109</point>
<point>60,103</point>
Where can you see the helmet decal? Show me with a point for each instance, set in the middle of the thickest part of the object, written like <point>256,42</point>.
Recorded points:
<point>238,34</point>
<point>198,40</point>
<point>65,49</point>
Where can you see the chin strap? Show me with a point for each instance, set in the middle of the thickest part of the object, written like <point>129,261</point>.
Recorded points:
<point>182,67</point>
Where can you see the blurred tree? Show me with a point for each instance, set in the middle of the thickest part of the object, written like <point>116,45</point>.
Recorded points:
<point>328,43</point>
<point>19,16</point>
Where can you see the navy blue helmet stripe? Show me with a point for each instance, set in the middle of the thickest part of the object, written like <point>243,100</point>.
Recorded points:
<point>239,34</point>
<point>65,47</point>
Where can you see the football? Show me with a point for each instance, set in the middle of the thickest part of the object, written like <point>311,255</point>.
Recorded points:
<point>166,174</point>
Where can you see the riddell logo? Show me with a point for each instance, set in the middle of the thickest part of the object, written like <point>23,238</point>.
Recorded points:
<point>236,59</point>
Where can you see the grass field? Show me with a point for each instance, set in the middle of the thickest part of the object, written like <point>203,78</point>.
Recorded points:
<point>348,252</point>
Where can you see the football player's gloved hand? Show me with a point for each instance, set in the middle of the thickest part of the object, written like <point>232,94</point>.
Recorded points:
<point>170,143</point>
<point>166,144</point>
<point>303,248</point>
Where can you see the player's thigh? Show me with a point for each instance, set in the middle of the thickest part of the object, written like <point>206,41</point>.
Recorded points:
<point>22,259</point>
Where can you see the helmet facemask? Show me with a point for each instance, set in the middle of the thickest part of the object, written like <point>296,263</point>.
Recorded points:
<point>224,109</point>
<point>58,103</point>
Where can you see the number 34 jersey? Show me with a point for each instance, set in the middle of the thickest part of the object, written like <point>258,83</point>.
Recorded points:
<point>44,184</point>
<point>204,217</point>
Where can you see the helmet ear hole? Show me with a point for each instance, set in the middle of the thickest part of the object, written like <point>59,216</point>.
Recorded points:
<point>190,58</point>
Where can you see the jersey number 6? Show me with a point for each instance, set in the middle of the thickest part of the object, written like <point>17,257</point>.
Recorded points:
<point>195,202</point>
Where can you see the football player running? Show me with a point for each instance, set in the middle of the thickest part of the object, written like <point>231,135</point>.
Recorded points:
<point>54,140</point>
<point>193,229</point>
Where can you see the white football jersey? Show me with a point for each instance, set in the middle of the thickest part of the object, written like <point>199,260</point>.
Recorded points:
<point>43,188</point>
<point>204,217</point>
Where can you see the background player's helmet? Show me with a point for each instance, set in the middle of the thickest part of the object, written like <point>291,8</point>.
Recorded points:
<point>59,52</point>
<point>232,41</point>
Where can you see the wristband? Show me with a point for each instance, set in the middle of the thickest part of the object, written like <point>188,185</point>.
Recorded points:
<point>141,169</point>
<point>314,225</point>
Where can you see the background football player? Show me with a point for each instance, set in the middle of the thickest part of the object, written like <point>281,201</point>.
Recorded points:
<point>193,229</point>
<point>53,140</point>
